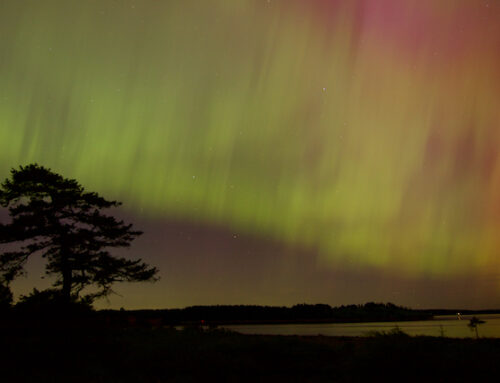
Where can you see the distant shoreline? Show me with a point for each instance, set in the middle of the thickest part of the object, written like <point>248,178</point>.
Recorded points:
<point>267,315</point>
<point>251,315</point>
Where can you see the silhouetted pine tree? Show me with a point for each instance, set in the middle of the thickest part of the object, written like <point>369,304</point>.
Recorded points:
<point>56,218</point>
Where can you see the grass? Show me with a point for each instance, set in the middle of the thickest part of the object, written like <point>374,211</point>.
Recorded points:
<point>100,354</point>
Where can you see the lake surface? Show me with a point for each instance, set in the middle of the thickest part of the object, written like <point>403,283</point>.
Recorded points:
<point>447,324</point>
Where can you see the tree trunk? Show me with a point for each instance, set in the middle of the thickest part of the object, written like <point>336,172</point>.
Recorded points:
<point>67,276</point>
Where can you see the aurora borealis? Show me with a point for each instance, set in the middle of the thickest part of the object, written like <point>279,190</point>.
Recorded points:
<point>273,151</point>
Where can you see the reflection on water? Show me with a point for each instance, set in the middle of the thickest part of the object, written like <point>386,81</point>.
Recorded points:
<point>447,324</point>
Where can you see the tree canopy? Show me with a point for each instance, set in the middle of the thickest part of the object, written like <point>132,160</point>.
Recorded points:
<point>56,218</point>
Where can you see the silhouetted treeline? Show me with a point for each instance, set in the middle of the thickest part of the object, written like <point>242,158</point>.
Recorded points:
<point>369,312</point>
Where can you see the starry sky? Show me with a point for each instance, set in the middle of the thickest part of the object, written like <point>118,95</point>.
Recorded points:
<point>273,151</point>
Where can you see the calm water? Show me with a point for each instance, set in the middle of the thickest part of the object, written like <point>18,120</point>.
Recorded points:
<point>450,325</point>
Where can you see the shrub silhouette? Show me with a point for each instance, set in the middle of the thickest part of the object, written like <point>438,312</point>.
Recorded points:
<point>5,298</point>
<point>473,323</point>
<point>50,302</point>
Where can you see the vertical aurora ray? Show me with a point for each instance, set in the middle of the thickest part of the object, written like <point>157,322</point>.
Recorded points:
<point>368,129</point>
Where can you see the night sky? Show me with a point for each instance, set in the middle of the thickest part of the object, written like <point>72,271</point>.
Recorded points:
<point>273,151</point>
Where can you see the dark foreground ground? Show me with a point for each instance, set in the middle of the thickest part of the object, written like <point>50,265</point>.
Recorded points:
<point>52,354</point>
